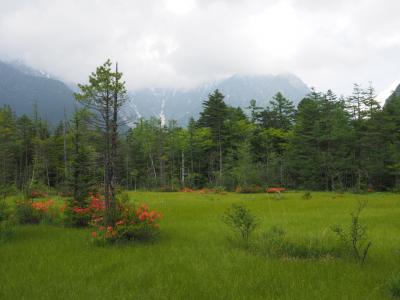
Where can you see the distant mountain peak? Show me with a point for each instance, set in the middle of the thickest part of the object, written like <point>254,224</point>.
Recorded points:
<point>22,86</point>
<point>28,70</point>
<point>239,89</point>
<point>384,95</point>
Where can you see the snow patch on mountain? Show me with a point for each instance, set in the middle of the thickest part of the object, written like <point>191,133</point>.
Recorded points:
<point>386,93</point>
<point>180,105</point>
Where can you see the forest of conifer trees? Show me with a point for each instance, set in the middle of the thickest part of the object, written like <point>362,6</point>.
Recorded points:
<point>326,143</point>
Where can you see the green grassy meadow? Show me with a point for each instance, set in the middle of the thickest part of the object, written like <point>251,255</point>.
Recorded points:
<point>193,258</point>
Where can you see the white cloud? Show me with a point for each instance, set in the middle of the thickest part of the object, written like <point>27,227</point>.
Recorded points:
<point>180,43</point>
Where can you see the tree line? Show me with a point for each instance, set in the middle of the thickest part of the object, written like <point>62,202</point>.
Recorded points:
<point>325,143</point>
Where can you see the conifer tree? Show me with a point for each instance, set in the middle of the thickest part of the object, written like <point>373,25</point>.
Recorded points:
<point>106,93</point>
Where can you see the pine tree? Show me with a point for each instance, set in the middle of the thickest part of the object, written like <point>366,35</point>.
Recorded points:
<point>106,94</point>
<point>81,178</point>
<point>282,112</point>
<point>213,116</point>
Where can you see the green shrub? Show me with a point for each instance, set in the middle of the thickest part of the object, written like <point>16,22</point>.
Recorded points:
<point>219,189</point>
<point>73,219</point>
<point>354,239</point>
<point>394,286</point>
<point>6,224</point>
<point>25,213</point>
<point>78,214</point>
<point>34,212</point>
<point>307,195</point>
<point>240,219</point>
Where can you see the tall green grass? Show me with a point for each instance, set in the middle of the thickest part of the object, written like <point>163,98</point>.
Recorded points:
<point>193,258</point>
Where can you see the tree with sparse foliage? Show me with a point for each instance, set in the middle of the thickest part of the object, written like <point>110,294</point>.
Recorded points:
<point>105,94</point>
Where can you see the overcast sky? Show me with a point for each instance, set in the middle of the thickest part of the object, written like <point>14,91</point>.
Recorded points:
<point>181,43</point>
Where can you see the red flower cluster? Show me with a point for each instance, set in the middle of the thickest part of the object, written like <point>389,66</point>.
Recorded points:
<point>42,206</point>
<point>206,191</point>
<point>95,206</point>
<point>275,190</point>
<point>144,214</point>
<point>133,223</point>
<point>187,190</point>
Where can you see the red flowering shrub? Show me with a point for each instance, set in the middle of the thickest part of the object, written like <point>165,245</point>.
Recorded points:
<point>78,216</point>
<point>275,190</point>
<point>205,191</point>
<point>187,190</point>
<point>33,212</point>
<point>133,224</point>
<point>42,206</point>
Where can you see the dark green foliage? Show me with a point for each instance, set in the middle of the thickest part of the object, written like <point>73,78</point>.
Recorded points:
<point>328,143</point>
<point>281,113</point>
<point>73,219</point>
<point>80,176</point>
<point>240,219</point>
<point>354,238</point>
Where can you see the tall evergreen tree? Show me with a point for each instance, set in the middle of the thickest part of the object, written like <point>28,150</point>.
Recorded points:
<point>213,116</point>
<point>106,94</point>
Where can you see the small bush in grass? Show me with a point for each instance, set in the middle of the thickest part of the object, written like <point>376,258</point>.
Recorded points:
<point>25,213</point>
<point>187,190</point>
<point>219,189</point>
<point>47,211</point>
<point>394,286</point>
<point>76,218</point>
<point>80,214</point>
<point>354,238</point>
<point>133,224</point>
<point>34,212</point>
<point>240,219</point>
<point>275,190</point>
<point>307,195</point>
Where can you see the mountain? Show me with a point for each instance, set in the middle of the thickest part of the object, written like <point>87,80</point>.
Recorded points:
<point>180,105</point>
<point>21,87</point>
<point>396,92</point>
